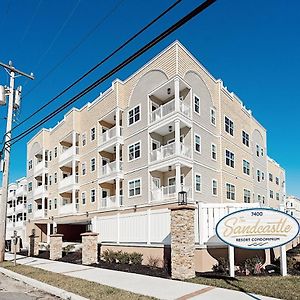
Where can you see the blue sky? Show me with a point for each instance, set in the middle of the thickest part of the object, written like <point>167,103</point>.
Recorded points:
<point>253,46</point>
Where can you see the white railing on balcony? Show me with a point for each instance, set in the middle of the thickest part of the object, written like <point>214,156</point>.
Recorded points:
<point>21,207</point>
<point>168,108</point>
<point>68,181</point>
<point>39,167</point>
<point>111,168</point>
<point>10,210</point>
<point>20,223</point>
<point>21,190</point>
<point>11,194</point>
<point>69,152</point>
<point>40,190</point>
<point>39,213</point>
<point>10,224</point>
<point>67,208</point>
<point>110,134</point>
<point>111,202</point>
<point>168,193</point>
<point>168,150</point>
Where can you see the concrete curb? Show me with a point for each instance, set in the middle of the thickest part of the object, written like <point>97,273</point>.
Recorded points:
<point>42,286</point>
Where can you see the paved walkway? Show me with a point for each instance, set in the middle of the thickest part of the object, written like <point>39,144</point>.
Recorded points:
<point>140,284</point>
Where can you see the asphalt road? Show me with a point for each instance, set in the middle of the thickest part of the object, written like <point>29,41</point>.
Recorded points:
<point>11,289</point>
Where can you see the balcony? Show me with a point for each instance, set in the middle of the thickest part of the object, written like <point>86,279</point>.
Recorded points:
<point>20,224</point>
<point>168,193</point>
<point>68,183</point>
<point>10,210</point>
<point>21,207</point>
<point>40,213</point>
<point>167,109</point>
<point>69,154</point>
<point>67,209</point>
<point>109,171</point>
<point>111,202</point>
<point>22,190</point>
<point>40,191</point>
<point>11,195</point>
<point>9,225</point>
<point>40,167</point>
<point>110,137</point>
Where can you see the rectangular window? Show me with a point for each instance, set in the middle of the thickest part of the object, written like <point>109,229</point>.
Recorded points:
<point>50,155</point>
<point>198,183</point>
<point>262,151</point>
<point>29,208</point>
<point>197,104</point>
<point>134,115</point>
<point>229,159</point>
<point>55,177</point>
<point>246,167</point>
<point>83,199</point>
<point>247,195</point>
<point>134,151</point>
<point>83,139</point>
<point>245,138</point>
<point>229,126</point>
<point>262,176</point>
<point>271,177</point>
<point>55,203</point>
<point>30,165</point>
<point>257,150</point>
<point>50,204</point>
<point>93,164</point>
<point>93,134</point>
<point>258,175</point>
<point>271,194</point>
<point>277,196</point>
<point>277,180</point>
<point>230,191</point>
<point>258,198</point>
<point>213,118</point>
<point>29,186</point>
<point>214,187</point>
<point>134,187</point>
<point>50,179</point>
<point>55,152</point>
<point>83,168</point>
<point>197,143</point>
<point>93,195</point>
<point>213,151</point>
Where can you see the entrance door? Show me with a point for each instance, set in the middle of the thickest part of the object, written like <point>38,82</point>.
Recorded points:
<point>105,195</point>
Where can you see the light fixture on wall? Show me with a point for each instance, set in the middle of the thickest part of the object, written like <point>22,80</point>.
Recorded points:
<point>170,128</point>
<point>89,227</point>
<point>182,198</point>
<point>169,91</point>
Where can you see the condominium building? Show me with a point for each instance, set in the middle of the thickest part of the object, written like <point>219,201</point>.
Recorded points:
<point>17,210</point>
<point>171,126</point>
<point>292,206</point>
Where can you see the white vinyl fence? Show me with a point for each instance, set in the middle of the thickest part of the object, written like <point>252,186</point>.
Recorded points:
<point>153,226</point>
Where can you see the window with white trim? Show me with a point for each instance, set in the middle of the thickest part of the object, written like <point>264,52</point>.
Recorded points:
<point>229,127</point>
<point>197,104</point>
<point>214,187</point>
<point>55,177</point>
<point>213,151</point>
<point>262,151</point>
<point>93,195</point>
<point>93,134</point>
<point>245,138</point>
<point>134,151</point>
<point>134,187</point>
<point>50,179</point>
<point>197,143</point>
<point>271,177</point>
<point>30,165</point>
<point>50,204</point>
<point>230,191</point>
<point>198,183</point>
<point>229,159</point>
<point>213,118</point>
<point>257,150</point>
<point>134,115</point>
<point>277,196</point>
<point>83,139</point>
<point>55,152</point>
<point>277,180</point>
<point>30,208</point>
<point>262,176</point>
<point>55,203</point>
<point>258,175</point>
<point>246,167</point>
<point>271,194</point>
<point>247,196</point>
<point>29,186</point>
<point>83,198</point>
<point>93,164</point>
<point>83,169</point>
<point>50,155</point>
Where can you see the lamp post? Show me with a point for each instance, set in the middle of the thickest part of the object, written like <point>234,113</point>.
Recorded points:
<point>182,198</point>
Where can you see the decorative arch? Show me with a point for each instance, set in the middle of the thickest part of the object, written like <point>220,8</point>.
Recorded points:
<point>34,148</point>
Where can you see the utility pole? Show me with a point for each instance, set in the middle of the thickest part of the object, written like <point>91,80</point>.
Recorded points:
<point>12,102</point>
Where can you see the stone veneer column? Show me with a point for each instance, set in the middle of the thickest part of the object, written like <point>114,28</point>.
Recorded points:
<point>33,249</point>
<point>17,246</point>
<point>182,242</point>
<point>56,246</point>
<point>89,248</point>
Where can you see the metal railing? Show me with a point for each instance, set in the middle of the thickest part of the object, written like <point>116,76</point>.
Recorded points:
<point>111,133</point>
<point>168,150</point>
<point>111,168</point>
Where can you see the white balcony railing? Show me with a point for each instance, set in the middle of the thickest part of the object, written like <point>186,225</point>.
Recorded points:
<point>68,182</point>
<point>39,190</point>
<point>22,190</point>
<point>111,168</point>
<point>168,108</point>
<point>10,210</point>
<point>40,166</point>
<point>39,213</point>
<point>68,153</point>
<point>169,150</point>
<point>111,202</point>
<point>66,208</point>
<point>111,133</point>
<point>168,193</point>
<point>21,207</point>
<point>20,223</point>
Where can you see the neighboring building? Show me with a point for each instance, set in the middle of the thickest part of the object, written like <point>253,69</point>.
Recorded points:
<point>292,206</point>
<point>17,210</point>
<point>171,126</point>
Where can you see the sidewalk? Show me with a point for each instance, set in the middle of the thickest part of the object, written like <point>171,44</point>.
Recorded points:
<point>140,284</point>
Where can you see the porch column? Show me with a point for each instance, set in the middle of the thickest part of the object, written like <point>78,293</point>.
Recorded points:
<point>48,232</point>
<point>74,142</point>
<point>56,246</point>
<point>118,121</point>
<point>118,191</point>
<point>177,137</point>
<point>117,157</point>
<point>177,94</point>
<point>177,178</point>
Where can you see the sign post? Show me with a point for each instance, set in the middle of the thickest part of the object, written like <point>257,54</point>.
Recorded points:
<point>231,261</point>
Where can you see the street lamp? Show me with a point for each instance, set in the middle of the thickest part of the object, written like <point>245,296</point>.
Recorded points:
<point>182,198</point>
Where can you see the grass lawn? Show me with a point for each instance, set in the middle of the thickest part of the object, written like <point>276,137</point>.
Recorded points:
<point>287,288</point>
<point>84,288</point>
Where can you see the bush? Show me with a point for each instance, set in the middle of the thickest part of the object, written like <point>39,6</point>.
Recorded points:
<point>68,248</point>
<point>136,258</point>
<point>123,257</point>
<point>293,266</point>
<point>252,266</point>
<point>109,256</point>
<point>222,266</point>
<point>153,262</point>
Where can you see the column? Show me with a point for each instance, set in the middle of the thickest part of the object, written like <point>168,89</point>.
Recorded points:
<point>177,178</point>
<point>177,94</point>
<point>43,183</point>
<point>177,137</point>
<point>89,248</point>
<point>74,170</point>
<point>182,242</point>
<point>118,122</point>
<point>117,157</point>
<point>33,249</point>
<point>48,232</point>
<point>118,191</point>
<point>56,246</point>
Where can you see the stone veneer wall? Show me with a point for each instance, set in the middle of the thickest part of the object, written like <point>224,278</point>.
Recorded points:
<point>33,249</point>
<point>89,248</point>
<point>182,242</point>
<point>56,246</point>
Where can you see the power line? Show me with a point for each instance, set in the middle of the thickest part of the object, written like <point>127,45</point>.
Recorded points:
<point>131,58</point>
<point>100,63</point>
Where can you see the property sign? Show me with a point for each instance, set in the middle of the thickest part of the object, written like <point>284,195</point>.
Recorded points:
<point>257,228</point>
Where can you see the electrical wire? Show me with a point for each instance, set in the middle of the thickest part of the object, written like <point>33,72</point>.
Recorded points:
<point>100,63</point>
<point>120,66</point>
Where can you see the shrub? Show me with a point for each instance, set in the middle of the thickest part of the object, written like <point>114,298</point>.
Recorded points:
<point>123,257</point>
<point>69,248</point>
<point>153,262</point>
<point>136,258</point>
<point>109,256</point>
<point>252,265</point>
<point>222,266</point>
<point>293,266</point>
